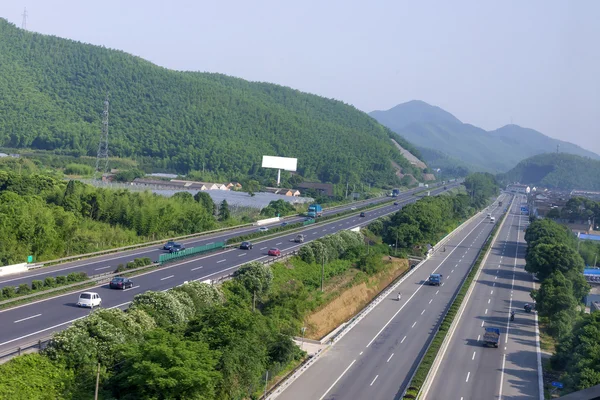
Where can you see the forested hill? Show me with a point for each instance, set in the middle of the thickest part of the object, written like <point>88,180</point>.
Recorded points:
<point>52,92</point>
<point>562,171</point>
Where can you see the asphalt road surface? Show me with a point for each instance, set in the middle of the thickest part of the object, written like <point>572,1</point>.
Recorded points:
<point>471,371</point>
<point>109,262</point>
<point>33,321</point>
<point>376,359</point>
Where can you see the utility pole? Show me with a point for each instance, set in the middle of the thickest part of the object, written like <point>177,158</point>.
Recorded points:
<point>266,384</point>
<point>24,23</point>
<point>97,382</point>
<point>322,271</point>
<point>346,189</point>
<point>254,301</point>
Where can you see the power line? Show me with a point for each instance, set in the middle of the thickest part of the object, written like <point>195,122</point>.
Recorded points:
<point>102,157</point>
<point>24,15</point>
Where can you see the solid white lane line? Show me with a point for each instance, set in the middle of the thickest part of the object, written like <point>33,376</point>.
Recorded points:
<point>403,339</point>
<point>337,380</point>
<point>25,319</point>
<point>502,378</point>
<point>220,261</point>
<point>374,380</point>
<point>193,269</point>
<point>388,360</point>
<point>468,375</point>
<point>167,277</point>
<point>472,358</point>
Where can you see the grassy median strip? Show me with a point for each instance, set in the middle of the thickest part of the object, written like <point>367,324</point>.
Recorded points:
<point>41,296</point>
<point>427,361</point>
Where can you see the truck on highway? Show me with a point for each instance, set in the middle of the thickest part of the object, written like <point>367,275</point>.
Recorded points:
<point>435,279</point>
<point>299,238</point>
<point>491,337</point>
<point>315,210</point>
<point>395,192</point>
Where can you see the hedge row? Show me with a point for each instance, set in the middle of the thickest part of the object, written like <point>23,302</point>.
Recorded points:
<point>297,225</point>
<point>10,292</point>
<point>429,358</point>
<point>136,263</point>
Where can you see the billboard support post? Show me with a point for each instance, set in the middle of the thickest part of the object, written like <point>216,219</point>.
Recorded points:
<point>279,163</point>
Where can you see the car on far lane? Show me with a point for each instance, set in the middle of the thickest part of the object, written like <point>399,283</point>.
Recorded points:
<point>284,223</point>
<point>119,282</point>
<point>274,252</point>
<point>362,214</point>
<point>168,245</point>
<point>396,203</point>
<point>89,299</point>
<point>263,229</point>
<point>246,246</point>
<point>177,247</point>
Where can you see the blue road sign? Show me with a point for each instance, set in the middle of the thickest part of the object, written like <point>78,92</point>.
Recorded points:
<point>557,385</point>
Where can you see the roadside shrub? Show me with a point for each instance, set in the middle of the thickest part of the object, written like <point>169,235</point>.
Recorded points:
<point>8,292</point>
<point>24,289</point>
<point>61,280</point>
<point>72,277</point>
<point>131,265</point>
<point>37,285</point>
<point>49,282</point>
<point>120,268</point>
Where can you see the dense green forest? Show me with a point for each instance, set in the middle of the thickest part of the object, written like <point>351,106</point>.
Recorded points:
<point>555,257</point>
<point>52,92</point>
<point>560,171</point>
<point>48,217</point>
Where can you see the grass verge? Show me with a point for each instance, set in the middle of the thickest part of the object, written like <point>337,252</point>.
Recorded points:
<point>425,366</point>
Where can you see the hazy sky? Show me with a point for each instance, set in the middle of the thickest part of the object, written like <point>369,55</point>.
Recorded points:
<point>536,63</point>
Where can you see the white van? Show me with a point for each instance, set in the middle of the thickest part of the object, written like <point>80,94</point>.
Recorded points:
<point>89,299</point>
<point>492,220</point>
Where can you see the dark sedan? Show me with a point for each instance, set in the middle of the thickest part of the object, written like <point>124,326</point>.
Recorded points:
<point>121,283</point>
<point>168,245</point>
<point>176,248</point>
<point>246,246</point>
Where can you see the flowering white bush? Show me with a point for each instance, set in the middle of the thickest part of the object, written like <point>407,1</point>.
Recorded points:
<point>162,306</point>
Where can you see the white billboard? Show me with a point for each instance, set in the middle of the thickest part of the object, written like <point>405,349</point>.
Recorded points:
<point>285,163</point>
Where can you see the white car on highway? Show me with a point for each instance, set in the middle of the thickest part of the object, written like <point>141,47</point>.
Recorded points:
<point>89,299</point>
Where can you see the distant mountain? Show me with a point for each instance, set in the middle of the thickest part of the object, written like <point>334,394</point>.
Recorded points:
<point>561,171</point>
<point>52,92</point>
<point>431,127</point>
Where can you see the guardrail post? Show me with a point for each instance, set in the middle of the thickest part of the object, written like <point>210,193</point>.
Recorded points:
<point>40,344</point>
<point>19,351</point>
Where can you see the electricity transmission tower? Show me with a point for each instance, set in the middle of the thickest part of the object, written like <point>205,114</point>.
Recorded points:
<point>102,157</point>
<point>24,23</point>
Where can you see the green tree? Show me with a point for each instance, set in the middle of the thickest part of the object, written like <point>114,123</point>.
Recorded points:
<point>256,277</point>
<point>224,213</point>
<point>544,259</point>
<point>165,366</point>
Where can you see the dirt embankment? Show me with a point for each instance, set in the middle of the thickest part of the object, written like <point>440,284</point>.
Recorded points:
<point>351,299</point>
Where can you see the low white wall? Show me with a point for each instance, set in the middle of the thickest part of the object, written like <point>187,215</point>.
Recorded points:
<point>267,221</point>
<point>13,269</point>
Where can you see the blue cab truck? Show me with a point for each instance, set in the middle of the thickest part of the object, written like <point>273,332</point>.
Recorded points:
<point>315,210</point>
<point>435,279</point>
<point>491,337</point>
<point>395,192</point>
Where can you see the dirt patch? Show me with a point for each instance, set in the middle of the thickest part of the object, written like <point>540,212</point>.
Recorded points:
<point>351,300</point>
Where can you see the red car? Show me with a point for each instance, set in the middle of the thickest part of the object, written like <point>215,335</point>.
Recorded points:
<point>274,252</point>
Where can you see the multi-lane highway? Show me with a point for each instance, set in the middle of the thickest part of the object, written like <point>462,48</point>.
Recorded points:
<point>470,371</point>
<point>108,263</point>
<point>36,320</point>
<point>376,359</point>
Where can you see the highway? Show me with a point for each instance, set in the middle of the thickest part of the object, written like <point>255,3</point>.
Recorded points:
<point>109,262</point>
<point>376,359</point>
<point>469,370</point>
<point>30,322</point>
